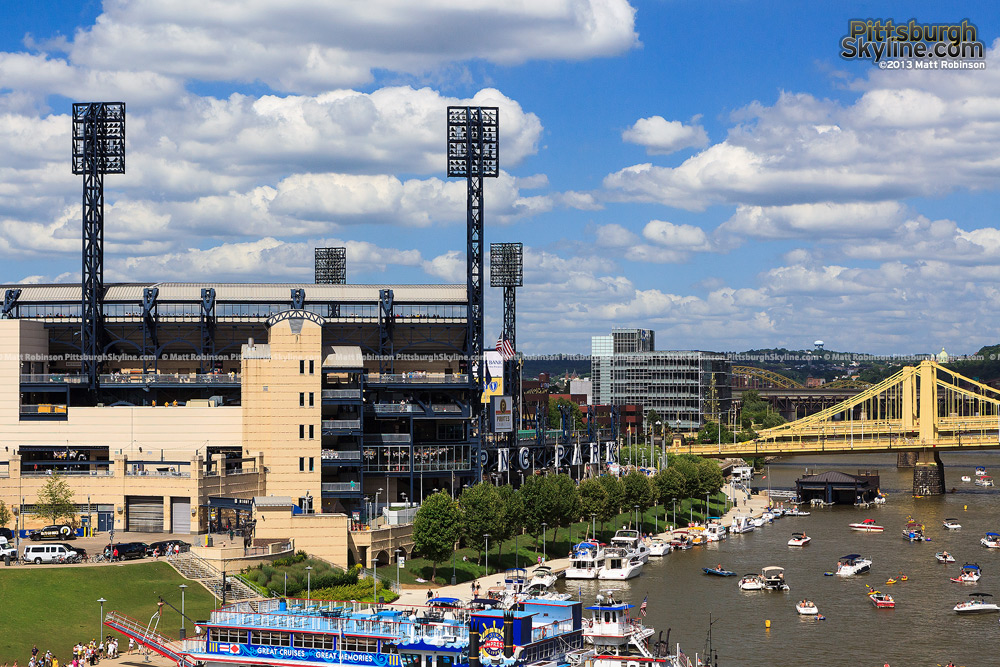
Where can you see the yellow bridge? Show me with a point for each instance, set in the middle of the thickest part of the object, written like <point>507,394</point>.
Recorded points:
<point>923,409</point>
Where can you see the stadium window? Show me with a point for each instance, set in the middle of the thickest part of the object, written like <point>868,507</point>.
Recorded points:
<point>302,431</point>
<point>302,366</point>
<point>302,399</point>
<point>302,464</point>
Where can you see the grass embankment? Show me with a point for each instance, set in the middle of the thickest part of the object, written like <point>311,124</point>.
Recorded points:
<point>557,544</point>
<point>288,576</point>
<point>57,607</point>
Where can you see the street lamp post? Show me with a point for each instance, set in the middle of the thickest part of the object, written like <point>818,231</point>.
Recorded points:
<point>183,587</point>
<point>544,527</point>
<point>375,580</point>
<point>286,585</point>
<point>397,569</point>
<point>486,536</point>
<point>674,502</point>
<point>638,526</point>
<point>100,624</point>
<point>309,582</point>
<point>593,525</point>
<point>706,508</point>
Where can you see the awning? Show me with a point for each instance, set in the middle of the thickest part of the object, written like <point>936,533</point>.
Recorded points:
<point>216,502</point>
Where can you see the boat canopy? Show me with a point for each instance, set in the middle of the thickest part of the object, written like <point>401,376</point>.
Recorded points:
<point>981,595</point>
<point>992,534</point>
<point>772,568</point>
<point>851,557</point>
<point>610,607</point>
<point>970,566</point>
<point>445,602</point>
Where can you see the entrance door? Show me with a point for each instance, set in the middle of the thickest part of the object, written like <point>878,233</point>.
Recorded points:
<point>144,514</point>
<point>180,515</point>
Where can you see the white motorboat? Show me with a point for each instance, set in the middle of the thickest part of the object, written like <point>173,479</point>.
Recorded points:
<point>758,521</point>
<point>979,603</point>
<point>774,578</point>
<point>619,564</point>
<point>586,562</point>
<point>799,540</point>
<point>715,531</point>
<point>944,557</point>
<point>951,524</point>
<point>991,541</point>
<point>741,524</point>
<point>768,516</point>
<point>807,608</point>
<point>867,526</point>
<point>543,576</point>
<point>970,574</point>
<point>751,582</point>
<point>980,471</point>
<point>680,540</point>
<point>852,564</point>
<point>985,480</point>
<point>913,531</point>
<point>795,511</point>
<point>631,541</point>
<point>966,478</point>
<point>658,547</point>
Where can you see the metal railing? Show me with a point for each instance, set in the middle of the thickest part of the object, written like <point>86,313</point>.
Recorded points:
<point>395,408</point>
<point>158,473</point>
<point>44,409</point>
<point>172,378</point>
<point>341,393</point>
<point>68,473</point>
<point>416,378</point>
<point>340,487</point>
<point>57,378</point>
<point>387,437</point>
<point>334,455</point>
<point>341,423</point>
<point>446,407</point>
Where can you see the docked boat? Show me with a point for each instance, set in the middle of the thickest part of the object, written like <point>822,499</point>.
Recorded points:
<point>881,600</point>
<point>341,634</point>
<point>913,531</point>
<point>991,541</point>
<point>978,603</point>
<point>614,639</point>
<point>944,557</point>
<point>867,526</point>
<point>799,540</point>
<point>807,608</point>
<point>768,516</point>
<point>719,571</point>
<point>758,521</point>
<point>774,578</point>
<point>970,574</point>
<point>620,564</point>
<point>741,524</point>
<point>587,559</point>
<point>853,564</point>
<point>631,541</point>
<point>795,511</point>
<point>543,576</point>
<point>715,531</point>
<point>680,540</point>
<point>751,582</point>
<point>658,547</point>
<point>951,524</point>
<point>985,480</point>
<point>696,534</point>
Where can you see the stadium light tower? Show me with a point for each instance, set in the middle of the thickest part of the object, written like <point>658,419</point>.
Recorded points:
<point>98,149</point>
<point>474,154</point>
<point>507,271</point>
<point>331,266</point>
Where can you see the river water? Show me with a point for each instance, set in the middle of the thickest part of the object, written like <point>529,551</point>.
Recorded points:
<point>921,630</point>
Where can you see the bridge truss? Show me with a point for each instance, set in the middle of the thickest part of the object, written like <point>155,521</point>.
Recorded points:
<point>752,377</point>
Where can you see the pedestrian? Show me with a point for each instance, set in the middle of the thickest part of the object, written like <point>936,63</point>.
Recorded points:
<point>131,645</point>
<point>429,595</point>
<point>114,555</point>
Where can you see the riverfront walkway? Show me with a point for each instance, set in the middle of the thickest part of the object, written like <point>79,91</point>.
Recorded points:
<point>755,506</point>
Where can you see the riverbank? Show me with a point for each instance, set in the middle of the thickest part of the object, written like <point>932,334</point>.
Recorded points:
<point>742,503</point>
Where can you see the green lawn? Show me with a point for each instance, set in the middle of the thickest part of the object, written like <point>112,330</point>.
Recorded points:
<point>56,607</point>
<point>557,544</point>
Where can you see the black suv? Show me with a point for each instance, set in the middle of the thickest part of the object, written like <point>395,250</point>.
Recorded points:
<point>8,533</point>
<point>60,531</point>
<point>127,550</point>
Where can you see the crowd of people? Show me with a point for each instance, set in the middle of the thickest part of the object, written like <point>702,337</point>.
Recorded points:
<point>83,654</point>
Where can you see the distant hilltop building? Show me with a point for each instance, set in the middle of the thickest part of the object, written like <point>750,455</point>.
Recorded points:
<point>626,369</point>
<point>818,345</point>
<point>942,357</point>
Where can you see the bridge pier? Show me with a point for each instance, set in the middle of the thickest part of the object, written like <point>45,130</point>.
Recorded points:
<point>928,474</point>
<point>906,459</point>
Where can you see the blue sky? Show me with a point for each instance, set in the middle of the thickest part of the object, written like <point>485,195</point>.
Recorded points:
<point>713,171</point>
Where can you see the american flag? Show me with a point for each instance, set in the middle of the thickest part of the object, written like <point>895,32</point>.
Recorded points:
<point>505,349</point>
<point>642,607</point>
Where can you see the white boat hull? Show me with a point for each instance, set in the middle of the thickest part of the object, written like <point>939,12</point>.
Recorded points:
<point>967,608</point>
<point>807,610</point>
<point>619,573</point>
<point>582,573</point>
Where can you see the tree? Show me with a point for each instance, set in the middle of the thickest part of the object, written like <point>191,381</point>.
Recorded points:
<point>538,495</point>
<point>710,478</point>
<point>4,514</point>
<point>55,500</point>
<point>670,484</point>
<point>479,514</point>
<point>567,503</point>
<point>615,498</point>
<point>593,498</point>
<point>510,515</point>
<point>436,527</point>
<point>637,491</point>
<point>688,468</point>
<point>555,418</point>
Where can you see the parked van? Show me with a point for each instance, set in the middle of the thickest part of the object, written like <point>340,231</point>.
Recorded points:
<point>7,549</point>
<point>47,553</point>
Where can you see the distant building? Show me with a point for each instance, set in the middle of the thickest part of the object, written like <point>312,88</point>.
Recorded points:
<point>813,383</point>
<point>585,387</point>
<point>684,387</point>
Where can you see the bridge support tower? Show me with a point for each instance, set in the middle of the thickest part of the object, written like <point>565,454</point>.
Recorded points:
<point>928,474</point>
<point>906,459</point>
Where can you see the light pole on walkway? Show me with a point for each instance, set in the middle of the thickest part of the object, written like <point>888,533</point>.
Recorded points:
<point>308,582</point>
<point>183,632</point>
<point>544,527</point>
<point>100,625</point>
<point>486,536</point>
